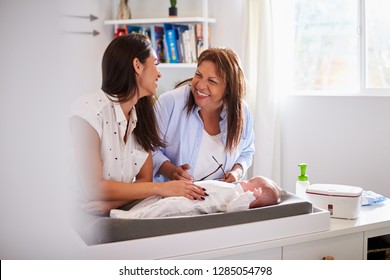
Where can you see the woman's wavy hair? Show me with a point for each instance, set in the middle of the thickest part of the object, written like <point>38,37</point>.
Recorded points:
<point>229,69</point>
<point>119,82</point>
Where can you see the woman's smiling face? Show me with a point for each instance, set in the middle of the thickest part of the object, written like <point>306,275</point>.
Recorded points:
<point>148,75</point>
<point>207,87</point>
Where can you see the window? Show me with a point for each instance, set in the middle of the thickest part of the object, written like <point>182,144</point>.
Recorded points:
<point>335,46</point>
<point>377,43</point>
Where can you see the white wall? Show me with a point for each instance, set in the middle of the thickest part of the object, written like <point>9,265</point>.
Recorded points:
<point>82,54</point>
<point>344,140</point>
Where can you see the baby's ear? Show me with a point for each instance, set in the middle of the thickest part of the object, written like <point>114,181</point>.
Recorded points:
<point>257,192</point>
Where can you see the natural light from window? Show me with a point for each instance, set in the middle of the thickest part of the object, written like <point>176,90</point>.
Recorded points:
<point>326,45</point>
<point>378,44</point>
<point>333,46</point>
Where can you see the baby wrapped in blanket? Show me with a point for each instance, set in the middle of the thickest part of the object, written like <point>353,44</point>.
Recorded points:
<point>221,197</point>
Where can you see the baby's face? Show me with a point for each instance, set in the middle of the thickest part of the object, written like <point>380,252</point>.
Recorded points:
<point>264,190</point>
<point>256,183</point>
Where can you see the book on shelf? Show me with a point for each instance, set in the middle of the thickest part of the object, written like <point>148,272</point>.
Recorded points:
<point>166,52</point>
<point>173,43</point>
<point>120,32</point>
<point>199,38</point>
<point>193,42</point>
<point>186,50</point>
<point>157,39</point>
<point>179,30</point>
<point>139,29</point>
<point>172,46</point>
<point>133,29</point>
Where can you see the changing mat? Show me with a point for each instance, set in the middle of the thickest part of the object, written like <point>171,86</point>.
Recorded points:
<point>105,230</point>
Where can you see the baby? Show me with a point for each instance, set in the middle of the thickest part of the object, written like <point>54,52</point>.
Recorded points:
<point>221,197</point>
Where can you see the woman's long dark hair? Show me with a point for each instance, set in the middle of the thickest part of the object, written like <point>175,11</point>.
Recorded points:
<point>119,81</point>
<point>229,69</point>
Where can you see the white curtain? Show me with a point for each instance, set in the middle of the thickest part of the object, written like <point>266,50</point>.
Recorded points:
<point>258,63</point>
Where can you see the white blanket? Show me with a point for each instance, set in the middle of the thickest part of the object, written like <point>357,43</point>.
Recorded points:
<point>223,197</point>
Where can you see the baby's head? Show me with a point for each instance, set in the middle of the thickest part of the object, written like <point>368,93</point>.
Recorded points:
<point>266,191</point>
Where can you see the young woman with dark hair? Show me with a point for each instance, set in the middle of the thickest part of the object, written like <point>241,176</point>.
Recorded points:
<point>115,131</point>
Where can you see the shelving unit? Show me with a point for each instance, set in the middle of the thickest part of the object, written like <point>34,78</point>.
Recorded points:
<point>144,21</point>
<point>204,19</point>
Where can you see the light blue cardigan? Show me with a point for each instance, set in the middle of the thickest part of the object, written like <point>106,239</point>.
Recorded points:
<point>183,134</point>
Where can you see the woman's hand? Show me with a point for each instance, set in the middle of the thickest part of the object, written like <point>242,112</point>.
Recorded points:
<point>233,175</point>
<point>181,173</point>
<point>230,177</point>
<point>174,172</point>
<point>182,188</point>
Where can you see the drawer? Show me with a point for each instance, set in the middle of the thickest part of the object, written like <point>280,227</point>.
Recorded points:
<point>267,254</point>
<point>345,247</point>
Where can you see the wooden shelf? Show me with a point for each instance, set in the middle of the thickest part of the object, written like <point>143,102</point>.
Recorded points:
<point>146,21</point>
<point>177,65</point>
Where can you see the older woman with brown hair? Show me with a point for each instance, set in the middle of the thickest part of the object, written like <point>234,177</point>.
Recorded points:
<point>205,123</point>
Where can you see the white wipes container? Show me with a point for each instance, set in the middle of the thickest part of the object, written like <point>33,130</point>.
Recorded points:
<point>340,200</point>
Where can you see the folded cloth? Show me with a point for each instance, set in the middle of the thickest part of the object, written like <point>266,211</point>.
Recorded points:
<point>371,198</point>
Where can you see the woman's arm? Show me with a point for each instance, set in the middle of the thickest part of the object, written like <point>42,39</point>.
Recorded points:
<point>244,161</point>
<point>96,188</point>
<point>86,144</point>
<point>102,207</point>
<point>170,115</point>
<point>164,111</point>
<point>146,172</point>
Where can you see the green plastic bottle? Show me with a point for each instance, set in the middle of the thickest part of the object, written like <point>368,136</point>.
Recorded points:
<point>302,182</point>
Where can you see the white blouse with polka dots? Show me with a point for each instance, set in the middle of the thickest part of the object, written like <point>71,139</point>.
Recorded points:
<point>121,161</point>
